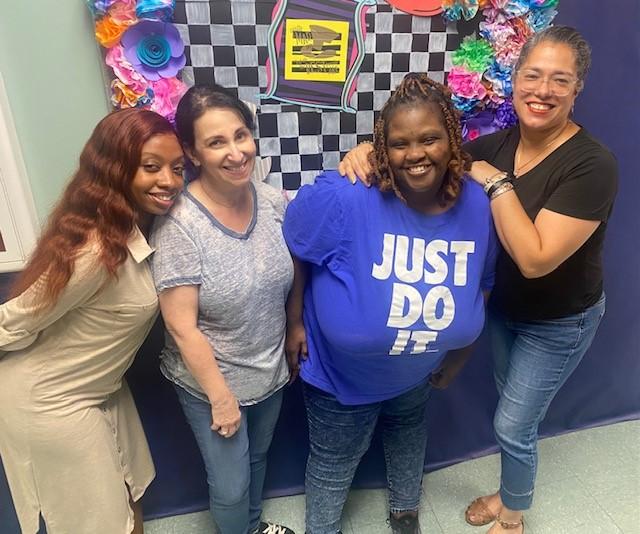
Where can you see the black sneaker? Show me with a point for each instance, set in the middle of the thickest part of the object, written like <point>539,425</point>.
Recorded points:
<point>271,528</point>
<point>407,524</point>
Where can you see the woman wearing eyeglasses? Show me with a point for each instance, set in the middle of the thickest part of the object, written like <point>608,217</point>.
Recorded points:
<point>552,188</point>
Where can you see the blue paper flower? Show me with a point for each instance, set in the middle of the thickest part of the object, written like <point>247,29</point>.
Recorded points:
<point>155,9</point>
<point>465,105</point>
<point>505,116</point>
<point>500,78</point>
<point>154,49</point>
<point>539,19</point>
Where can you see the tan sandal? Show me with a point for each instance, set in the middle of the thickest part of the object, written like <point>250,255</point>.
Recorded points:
<point>510,525</point>
<point>486,515</point>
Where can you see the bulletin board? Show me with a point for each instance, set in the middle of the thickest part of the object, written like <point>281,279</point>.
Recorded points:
<point>226,41</point>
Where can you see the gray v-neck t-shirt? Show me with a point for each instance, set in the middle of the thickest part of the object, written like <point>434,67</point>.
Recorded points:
<point>243,281</point>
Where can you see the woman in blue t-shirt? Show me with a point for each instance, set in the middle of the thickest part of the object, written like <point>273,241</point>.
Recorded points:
<point>393,300</point>
<point>552,188</point>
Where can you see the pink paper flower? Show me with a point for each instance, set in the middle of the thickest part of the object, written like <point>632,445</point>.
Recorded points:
<point>167,94</point>
<point>123,12</point>
<point>466,84</point>
<point>124,70</point>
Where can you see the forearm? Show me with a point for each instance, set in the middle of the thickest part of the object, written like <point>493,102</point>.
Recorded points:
<point>519,236</point>
<point>295,300</point>
<point>199,358</point>
<point>457,358</point>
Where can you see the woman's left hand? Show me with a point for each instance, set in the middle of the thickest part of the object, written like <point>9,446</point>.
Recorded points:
<point>295,348</point>
<point>451,365</point>
<point>441,378</point>
<point>481,171</point>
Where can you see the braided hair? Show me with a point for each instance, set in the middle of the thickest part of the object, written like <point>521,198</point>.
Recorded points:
<point>416,89</point>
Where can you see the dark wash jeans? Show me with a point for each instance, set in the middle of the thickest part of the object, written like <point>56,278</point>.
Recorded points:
<point>338,437</point>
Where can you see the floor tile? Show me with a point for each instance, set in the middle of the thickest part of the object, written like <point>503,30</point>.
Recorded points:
<point>566,507</point>
<point>196,523</point>
<point>288,511</point>
<point>588,483</point>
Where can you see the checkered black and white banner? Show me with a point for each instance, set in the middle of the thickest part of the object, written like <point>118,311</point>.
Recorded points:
<point>226,43</point>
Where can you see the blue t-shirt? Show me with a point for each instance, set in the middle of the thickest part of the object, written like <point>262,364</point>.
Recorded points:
<point>389,290</point>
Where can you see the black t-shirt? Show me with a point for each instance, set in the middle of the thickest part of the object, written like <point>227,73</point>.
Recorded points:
<point>578,179</point>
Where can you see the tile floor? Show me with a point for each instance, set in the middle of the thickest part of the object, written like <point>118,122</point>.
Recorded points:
<point>588,483</point>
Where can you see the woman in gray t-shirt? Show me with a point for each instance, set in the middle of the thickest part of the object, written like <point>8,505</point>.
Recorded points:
<point>223,273</point>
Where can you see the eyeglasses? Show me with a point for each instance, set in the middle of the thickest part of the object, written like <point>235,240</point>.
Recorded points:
<point>559,84</point>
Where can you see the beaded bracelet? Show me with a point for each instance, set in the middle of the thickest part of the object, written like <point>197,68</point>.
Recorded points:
<point>507,186</point>
<point>497,184</point>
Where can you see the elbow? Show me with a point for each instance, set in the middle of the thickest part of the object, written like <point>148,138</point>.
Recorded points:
<point>532,270</point>
<point>179,333</point>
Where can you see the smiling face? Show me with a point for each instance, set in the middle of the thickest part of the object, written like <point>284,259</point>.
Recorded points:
<point>418,148</point>
<point>158,179</point>
<point>539,108</point>
<point>224,148</point>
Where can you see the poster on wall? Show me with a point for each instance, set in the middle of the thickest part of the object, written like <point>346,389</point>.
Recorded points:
<point>315,52</point>
<point>18,220</point>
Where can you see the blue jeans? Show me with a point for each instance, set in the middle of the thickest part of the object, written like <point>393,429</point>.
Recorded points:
<point>235,466</point>
<point>532,360</point>
<point>338,437</point>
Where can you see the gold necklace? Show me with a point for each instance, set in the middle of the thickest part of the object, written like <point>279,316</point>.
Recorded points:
<point>518,167</point>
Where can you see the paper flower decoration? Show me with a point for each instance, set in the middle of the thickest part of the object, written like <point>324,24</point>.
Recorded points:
<point>466,84</point>
<point>167,93</point>
<point>144,50</point>
<point>124,12</point>
<point>125,72</point>
<point>155,49</point>
<point>481,79</point>
<point>155,9</point>
<point>109,31</point>
<point>99,7</point>
<point>474,54</point>
<point>122,96</point>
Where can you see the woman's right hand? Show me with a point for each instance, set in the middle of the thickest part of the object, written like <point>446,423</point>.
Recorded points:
<point>225,414</point>
<point>355,164</point>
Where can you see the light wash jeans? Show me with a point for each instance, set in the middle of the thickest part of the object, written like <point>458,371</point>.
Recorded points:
<point>338,437</point>
<point>235,466</point>
<point>531,362</point>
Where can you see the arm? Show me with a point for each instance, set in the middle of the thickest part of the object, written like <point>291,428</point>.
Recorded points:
<point>355,164</point>
<point>179,306</point>
<point>296,340</point>
<point>452,364</point>
<point>454,361</point>
<point>538,247</point>
<point>21,320</point>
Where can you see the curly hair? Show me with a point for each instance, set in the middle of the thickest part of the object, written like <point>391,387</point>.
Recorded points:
<point>413,90</point>
<point>97,202</point>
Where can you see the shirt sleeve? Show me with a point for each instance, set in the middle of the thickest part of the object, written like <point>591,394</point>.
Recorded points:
<point>489,272</point>
<point>21,320</point>
<point>589,189</point>
<point>176,260</point>
<point>314,221</point>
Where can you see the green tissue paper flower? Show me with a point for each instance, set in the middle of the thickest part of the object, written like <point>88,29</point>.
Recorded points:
<point>474,54</point>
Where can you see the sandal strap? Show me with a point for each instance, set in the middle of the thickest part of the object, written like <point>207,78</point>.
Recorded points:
<point>507,525</point>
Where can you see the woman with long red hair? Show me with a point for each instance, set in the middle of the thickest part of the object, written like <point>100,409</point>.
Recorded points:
<point>71,440</point>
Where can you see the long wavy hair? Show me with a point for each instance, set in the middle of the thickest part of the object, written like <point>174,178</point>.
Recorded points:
<point>413,90</point>
<point>97,203</point>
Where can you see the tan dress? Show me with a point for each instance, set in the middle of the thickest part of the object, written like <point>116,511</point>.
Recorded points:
<point>70,436</point>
